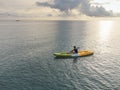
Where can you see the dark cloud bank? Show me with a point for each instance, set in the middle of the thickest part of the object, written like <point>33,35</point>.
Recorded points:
<point>83,6</point>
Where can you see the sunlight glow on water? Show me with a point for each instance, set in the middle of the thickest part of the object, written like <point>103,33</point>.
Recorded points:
<point>105,28</point>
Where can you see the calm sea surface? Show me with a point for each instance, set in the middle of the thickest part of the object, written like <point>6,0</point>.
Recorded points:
<point>27,61</point>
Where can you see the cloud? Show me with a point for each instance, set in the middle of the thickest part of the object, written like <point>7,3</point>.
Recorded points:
<point>90,10</point>
<point>82,6</point>
<point>62,5</point>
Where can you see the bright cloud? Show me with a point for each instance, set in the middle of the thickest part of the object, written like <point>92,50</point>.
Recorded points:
<point>113,5</point>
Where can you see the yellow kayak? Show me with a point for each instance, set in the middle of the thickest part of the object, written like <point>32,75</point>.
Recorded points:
<point>79,54</point>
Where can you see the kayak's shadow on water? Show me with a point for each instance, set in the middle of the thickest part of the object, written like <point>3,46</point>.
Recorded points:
<point>75,59</point>
<point>63,58</point>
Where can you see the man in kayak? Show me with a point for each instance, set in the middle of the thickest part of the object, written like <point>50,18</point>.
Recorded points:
<point>75,50</point>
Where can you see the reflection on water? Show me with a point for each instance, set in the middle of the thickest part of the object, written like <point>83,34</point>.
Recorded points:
<point>105,28</point>
<point>63,33</point>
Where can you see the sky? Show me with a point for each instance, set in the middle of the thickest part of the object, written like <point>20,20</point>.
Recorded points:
<point>59,8</point>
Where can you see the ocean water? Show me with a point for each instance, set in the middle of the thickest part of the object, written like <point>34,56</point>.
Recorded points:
<point>27,61</point>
